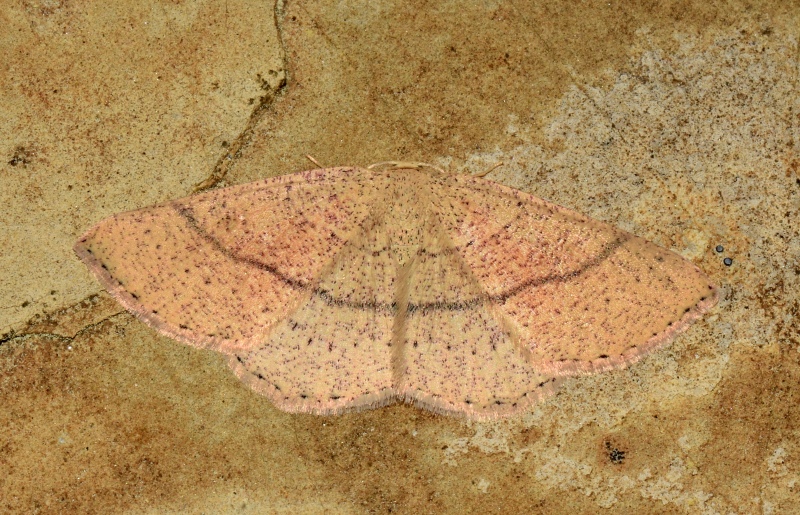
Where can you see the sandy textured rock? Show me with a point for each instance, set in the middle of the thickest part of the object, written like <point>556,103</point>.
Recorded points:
<point>101,103</point>
<point>677,122</point>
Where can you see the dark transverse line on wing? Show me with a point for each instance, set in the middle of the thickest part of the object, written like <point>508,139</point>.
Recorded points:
<point>391,308</point>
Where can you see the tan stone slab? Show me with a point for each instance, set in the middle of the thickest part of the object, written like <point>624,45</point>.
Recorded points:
<point>674,120</point>
<point>111,106</point>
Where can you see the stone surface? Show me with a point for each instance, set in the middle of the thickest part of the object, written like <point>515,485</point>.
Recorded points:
<point>678,122</point>
<point>101,103</point>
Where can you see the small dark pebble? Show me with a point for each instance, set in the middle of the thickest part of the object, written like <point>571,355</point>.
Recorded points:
<point>727,261</point>
<point>719,248</point>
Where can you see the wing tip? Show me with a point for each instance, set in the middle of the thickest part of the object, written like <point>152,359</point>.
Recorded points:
<point>634,354</point>
<point>139,310</point>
